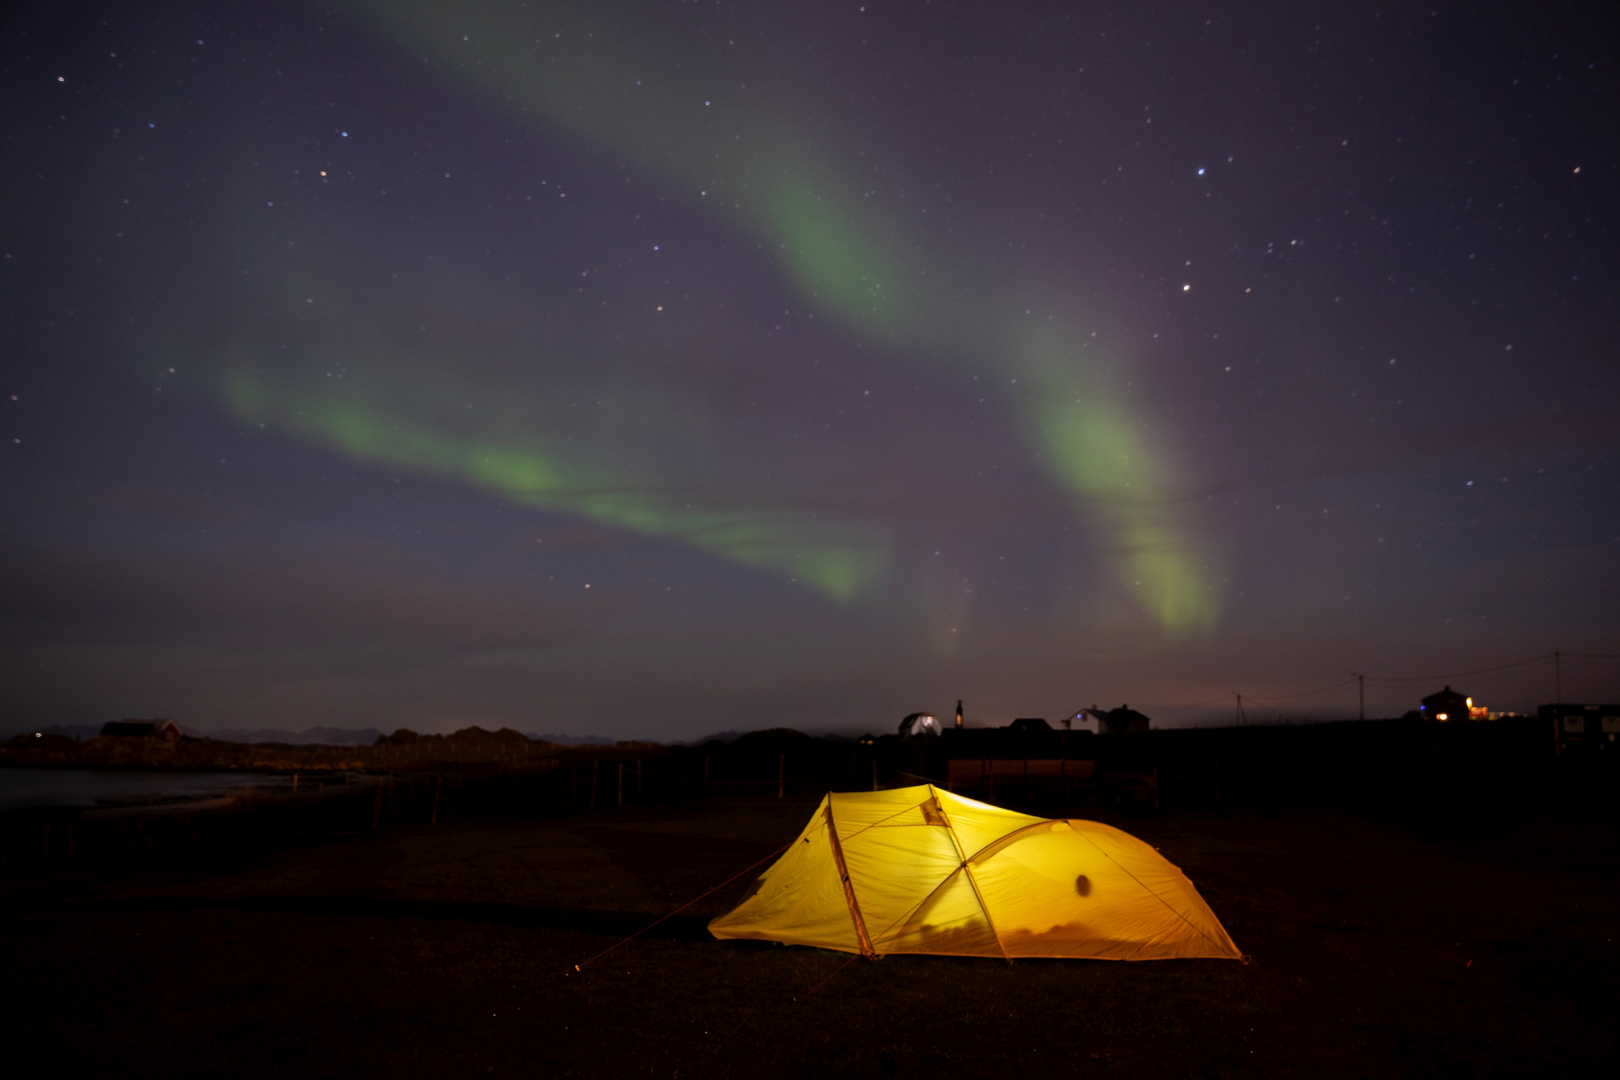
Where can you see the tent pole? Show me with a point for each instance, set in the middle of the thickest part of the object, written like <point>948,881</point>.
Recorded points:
<point>933,793</point>
<point>849,889</point>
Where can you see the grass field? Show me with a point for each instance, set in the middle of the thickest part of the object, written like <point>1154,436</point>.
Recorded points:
<point>1377,950</point>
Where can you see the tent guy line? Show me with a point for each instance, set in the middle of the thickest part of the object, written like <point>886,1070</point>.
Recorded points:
<point>830,977</point>
<point>681,909</point>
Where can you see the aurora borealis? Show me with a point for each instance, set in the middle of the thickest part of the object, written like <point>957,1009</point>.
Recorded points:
<point>650,370</point>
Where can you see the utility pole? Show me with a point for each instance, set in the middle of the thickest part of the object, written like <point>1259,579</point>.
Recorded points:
<point>1238,717</point>
<point>1361,690</point>
<point>1558,678</point>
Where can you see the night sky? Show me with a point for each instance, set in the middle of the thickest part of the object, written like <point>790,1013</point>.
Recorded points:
<point>650,370</point>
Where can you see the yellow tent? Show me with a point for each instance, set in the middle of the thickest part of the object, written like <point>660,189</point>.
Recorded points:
<point>919,870</point>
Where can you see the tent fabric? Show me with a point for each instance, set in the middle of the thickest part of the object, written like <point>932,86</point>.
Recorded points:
<point>920,870</point>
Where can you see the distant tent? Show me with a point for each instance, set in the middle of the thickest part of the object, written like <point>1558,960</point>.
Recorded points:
<point>919,724</point>
<point>919,870</point>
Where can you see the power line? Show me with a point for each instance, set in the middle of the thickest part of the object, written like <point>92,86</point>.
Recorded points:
<point>1307,693</point>
<point>1544,657</point>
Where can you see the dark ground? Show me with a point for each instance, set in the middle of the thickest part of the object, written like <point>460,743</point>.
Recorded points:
<point>1378,950</point>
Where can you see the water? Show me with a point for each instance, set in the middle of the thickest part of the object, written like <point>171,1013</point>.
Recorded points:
<point>21,788</point>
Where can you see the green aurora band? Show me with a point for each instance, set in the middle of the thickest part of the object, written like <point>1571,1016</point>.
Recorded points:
<point>833,560</point>
<point>569,66</point>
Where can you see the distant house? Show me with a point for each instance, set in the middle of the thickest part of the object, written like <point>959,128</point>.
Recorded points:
<point>1117,721</point>
<point>142,729</point>
<point>1446,705</point>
